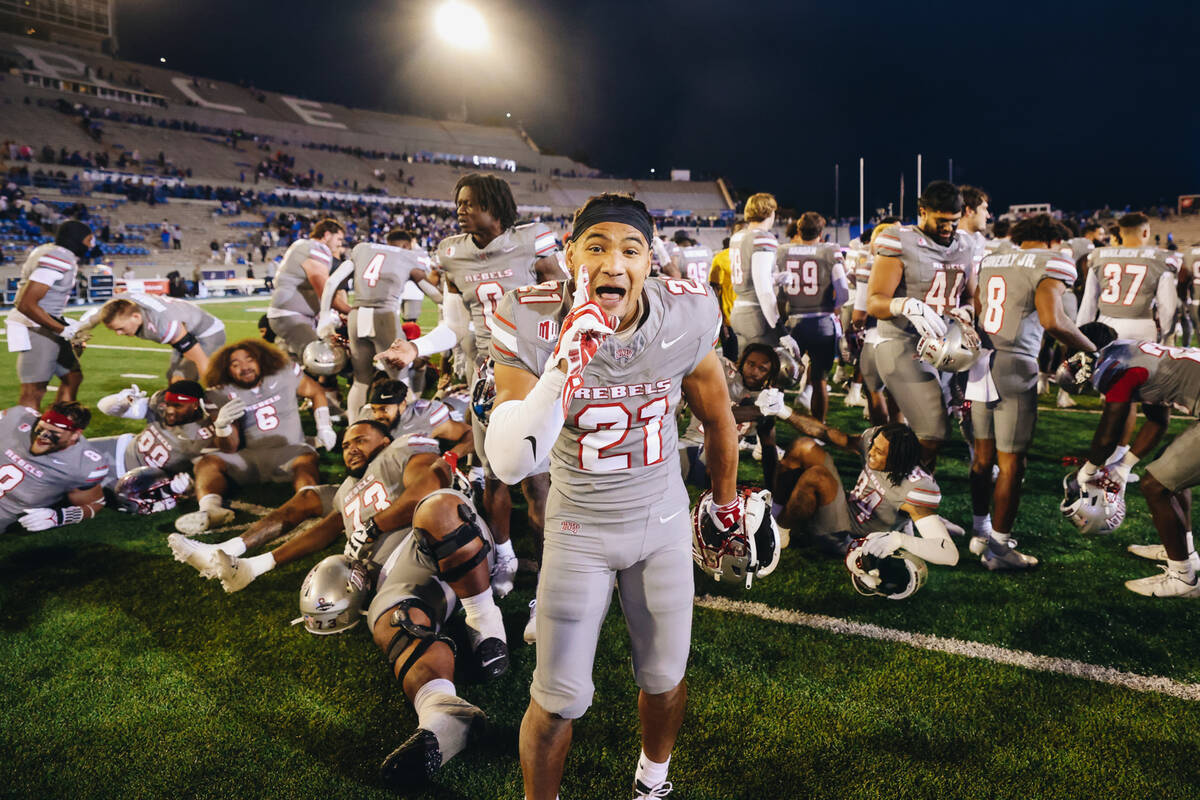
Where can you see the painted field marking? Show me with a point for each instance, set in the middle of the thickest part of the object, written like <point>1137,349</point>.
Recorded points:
<point>141,375</point>
<point>985,652</point>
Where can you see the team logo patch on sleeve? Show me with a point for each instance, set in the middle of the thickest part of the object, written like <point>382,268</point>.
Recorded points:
<point>547,330</point>
<point>570,526</point>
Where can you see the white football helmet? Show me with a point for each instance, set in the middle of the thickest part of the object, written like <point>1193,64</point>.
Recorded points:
<point>334,595</point>
<point>957,351</point>
<point>325,357</point>
<point>895,577</point>
<point>791,369</point>
<point>748,551</point>
<point>1090,508</point>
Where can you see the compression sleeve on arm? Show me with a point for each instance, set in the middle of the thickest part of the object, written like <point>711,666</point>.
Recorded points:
<point>934,544</point>
<point>860,295</point>
<point>1087,304</point>
<point>430,290</point>
<point>762,265</point>
<point>841,289</point>
<point>520,433</point>
<point>452,328</point>
<point>1167,299</point>
<point>339,276</point>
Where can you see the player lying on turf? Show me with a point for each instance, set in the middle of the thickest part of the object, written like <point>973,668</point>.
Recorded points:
<point>49,473</point>
<point>254,389</point>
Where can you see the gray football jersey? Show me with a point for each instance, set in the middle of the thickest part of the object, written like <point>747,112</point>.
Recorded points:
<point>293,292</point>
<point>809,270</point>
<point>420,417</point>
<point>381,272</point>
<point>1191,262</point>
<point>694,262</point>
<point>1008,284</point>
<point>360,499</point>
<point>483,276</point>
<point>875,501</point>
<point>162,317</point>
<point>1173,373</point>
<point>168,447</point>
<point>272,417</point>
<point>742,247</point>
<point>1128,279</point>
<point>616,453</point>
<point>1077,247</point>
<point>933,273</point>
<point>28,481</point>
<point>61,263</point>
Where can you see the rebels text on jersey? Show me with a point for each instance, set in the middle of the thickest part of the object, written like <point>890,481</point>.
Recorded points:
<point>28,481</point>
<point>616,452</point>
<point>381,273</point>
<point>360,499</point>
<point>272,417</point>
<point>875,501</point>
<point>483,276</point>
<point>936,274</point>
<point>1008,283</point>
<point>1168,376</point>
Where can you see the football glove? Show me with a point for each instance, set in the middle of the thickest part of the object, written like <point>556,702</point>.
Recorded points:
<point>582,332</point>
<point>43,519</point>
<point>328,324</point>
<point>789,344</point>
<point>727,516</point>
<point>361,545</point>
<point>964,314</point>
<point>230,413</point>
<point>924,319</point>
<point>327,438</point>
<point>881,544</point>
<point>771,402</point>
<point>181,483</point>
<point>71,327</point>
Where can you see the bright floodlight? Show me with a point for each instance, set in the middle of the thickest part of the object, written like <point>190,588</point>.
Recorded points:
<point>461,25</point>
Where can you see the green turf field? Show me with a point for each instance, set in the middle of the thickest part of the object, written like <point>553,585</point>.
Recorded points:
<point>122,674</point>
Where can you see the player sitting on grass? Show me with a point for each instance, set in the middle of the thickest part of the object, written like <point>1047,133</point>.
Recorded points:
<point>388,402</point>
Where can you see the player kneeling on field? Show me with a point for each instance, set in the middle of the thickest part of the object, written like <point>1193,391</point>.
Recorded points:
<point>892,490</point>
<point>44,461</point>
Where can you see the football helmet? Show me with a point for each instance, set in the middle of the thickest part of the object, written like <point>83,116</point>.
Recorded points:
<point>325,357</point>
<point>957,351</point>
<point>1075,374</point>
<point>895,577</point>
<point>746,551</point>
<point>334,595</point>
<point>1090,508</point>
<point>145,490</point>
<point>791,369</point>
<point>483,393</point>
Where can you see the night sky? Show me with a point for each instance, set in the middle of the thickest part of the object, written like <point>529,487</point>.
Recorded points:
<point>1077,104</point>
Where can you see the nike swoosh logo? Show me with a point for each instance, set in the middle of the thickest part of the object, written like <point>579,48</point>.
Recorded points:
<point>668,342</point>
<point>532,444</point>
<point>664,520</point>
<point>491,661</point>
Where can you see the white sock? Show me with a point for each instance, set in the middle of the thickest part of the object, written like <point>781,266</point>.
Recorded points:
<point>210,502</point>
<point>444,714</point>
<point>504,551</point>
<point>1182,569</point>
<point>483,617</point>
<point>1000,540</point>
<point>260,564</point>
<point>355,400</point>
<point>1191,547</point>
<point>651,773</point>
<point>421,701</point>
<point>981,524</point>
<point>234,547</point>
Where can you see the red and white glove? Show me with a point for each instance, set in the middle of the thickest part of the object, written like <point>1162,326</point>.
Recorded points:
<point>727,516</point>
<point>583,331</point>
<point>924,319</point>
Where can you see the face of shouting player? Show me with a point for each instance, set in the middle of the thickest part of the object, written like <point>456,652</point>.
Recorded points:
<point>360,443</point>
<point>47,438</point>
<point>617,259</point>
<point>243,369</point>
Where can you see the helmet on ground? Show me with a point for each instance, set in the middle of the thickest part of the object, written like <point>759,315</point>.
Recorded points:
<point>144,490</point>
<point>958,350</point>
<point>748,550</point>
<point>324,357</point>
<point>895,577</point>
<point>333,595</point>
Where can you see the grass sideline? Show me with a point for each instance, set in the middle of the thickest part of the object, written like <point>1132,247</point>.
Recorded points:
<point>122,674</point>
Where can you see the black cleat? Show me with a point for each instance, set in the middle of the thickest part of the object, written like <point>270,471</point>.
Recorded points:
<point>492,658</point>
<point>413,763</point>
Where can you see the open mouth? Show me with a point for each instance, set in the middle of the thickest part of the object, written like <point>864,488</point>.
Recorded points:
<point>610,297</point>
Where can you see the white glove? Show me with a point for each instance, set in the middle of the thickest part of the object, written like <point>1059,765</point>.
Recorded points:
<point>181,483</point>
<point>926,321</point>
<point>328,323</point>
<point>781,278</point>
<point>72,327</point>
<point>771,402</point>
<point>39,519</point>
<point>881,544</point>
<point>503,575</point>
<point>789,344</point>
<point>131,395</point>
<point>326,438</point>
<point>964,314</point>
<point>230,413</point>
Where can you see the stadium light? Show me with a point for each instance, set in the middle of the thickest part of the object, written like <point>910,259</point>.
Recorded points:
<point>460,25</point>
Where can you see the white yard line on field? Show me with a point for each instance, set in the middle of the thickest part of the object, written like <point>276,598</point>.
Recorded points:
<point>141,375</point>
<point>985,652</point>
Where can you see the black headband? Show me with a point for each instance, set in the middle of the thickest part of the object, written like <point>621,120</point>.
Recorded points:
<point>628,215</point>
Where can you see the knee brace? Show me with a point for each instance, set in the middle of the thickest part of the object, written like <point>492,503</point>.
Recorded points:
<point>439,549</point>
<point>410,632</point>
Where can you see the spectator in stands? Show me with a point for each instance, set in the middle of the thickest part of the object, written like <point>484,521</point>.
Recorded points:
<point>176,238</point>
<point>165,234</point>
<point>264,244</point>
<point>216,249</point>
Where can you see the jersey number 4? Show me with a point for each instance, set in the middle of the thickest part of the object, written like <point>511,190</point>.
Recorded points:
<point>607,425</point>
<point>371,271</point>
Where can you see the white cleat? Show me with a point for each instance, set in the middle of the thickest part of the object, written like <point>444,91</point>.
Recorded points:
<point>198,522</point>
<point>978,544</point>
<point>1064,400</point>
<point>1150,552</point>
<point>195,554</point>
<point>503,576</point>
<point>531,626</point>
<point>1165,584</point>
<point>644,792</point>
<point>854,397</point>
<point>233,574</point>
<point>1009,559</point>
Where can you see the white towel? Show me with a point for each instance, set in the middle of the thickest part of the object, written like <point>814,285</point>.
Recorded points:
<point>366,323</point>
<point>980,386</point>
<point>18,337</point>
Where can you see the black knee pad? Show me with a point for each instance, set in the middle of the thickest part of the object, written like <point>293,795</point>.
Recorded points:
<point>439,549</point>
<point>410,632</point>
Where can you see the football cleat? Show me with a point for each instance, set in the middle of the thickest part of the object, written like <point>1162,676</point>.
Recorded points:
<point>1150,552</point>
<point>1165,584</point>
<point>1007,560</point>
<point>531,626</point>
<point>193,553</point>
<point>854,397</point>
<point>642,792</point>
<point>198,522</point>
<point>415,762</point>
<point>492,657</point>
<point>979,544</point>
<point>503,574</point>
<point>234,575</point>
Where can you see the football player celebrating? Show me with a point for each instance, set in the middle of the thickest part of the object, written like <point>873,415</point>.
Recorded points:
<point>193,333</point>
<point>1019,296</point>
<point>299,284</point>
<point>49,473</point>
<point>177,431</point>
<point>892,489</point>
<point>388,402</point>
<point>922,275</point>
<point>491,256</point>
<point>600,401</point>
<point>1128,371</point>
<point>37,331</point>
<point>381,272</point>
<point>815,288</point>
<point>752,274</point>
<point>254,389</point>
